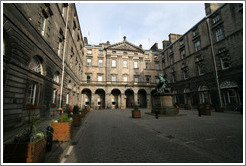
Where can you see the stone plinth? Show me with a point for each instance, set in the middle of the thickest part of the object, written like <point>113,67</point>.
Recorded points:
<point>163,103</point>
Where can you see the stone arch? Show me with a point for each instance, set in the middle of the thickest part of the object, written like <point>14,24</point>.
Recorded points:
<point>142,98</point>
<point>86,97</point>
<point>100,98</point>
<point>116,98</point>
<point>129,93</point>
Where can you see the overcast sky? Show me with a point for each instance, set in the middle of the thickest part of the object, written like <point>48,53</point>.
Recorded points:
<point>142,23</point>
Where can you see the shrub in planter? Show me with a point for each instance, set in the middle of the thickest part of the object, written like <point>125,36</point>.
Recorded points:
<point>205,109</point>
<point>27,147</point>
<point>76,116</point>
<point>62,128</point>
<point>136,113</point>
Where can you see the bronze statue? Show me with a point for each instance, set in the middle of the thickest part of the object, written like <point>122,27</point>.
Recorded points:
<point>161,86</point>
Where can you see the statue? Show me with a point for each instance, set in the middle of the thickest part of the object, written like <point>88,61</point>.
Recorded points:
<point>161,86</point>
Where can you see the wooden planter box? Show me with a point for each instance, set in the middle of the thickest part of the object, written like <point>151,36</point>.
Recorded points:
<point>25,152</point>
<point>61,131</point>
<point>31,106</point>
<point>219,109</point>
<point>136,114</point>
<point>76,120</point>
<point>205,109</point>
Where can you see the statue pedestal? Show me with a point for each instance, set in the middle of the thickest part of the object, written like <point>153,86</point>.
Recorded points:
<point>163,103</point>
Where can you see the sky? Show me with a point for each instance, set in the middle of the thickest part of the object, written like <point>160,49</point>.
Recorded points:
<point>141,23</point>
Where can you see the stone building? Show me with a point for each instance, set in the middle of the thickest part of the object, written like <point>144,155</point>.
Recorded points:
<point>119,75</point>
<point>205,65</point>
<point>42,60</point>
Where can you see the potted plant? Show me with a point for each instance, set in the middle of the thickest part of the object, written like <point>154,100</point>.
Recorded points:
<point>136,113</point>
<point>177,107</point>
<point>27,147</point>
<point>205,109</point>
<point>62,128</point>
<point>76,116</point>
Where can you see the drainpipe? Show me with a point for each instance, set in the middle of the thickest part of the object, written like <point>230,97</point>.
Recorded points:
<point>215,66</point>
<point>63,61</point>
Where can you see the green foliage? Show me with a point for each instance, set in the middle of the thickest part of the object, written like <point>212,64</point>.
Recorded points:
<point>76,110</point>
<point>65,118</point>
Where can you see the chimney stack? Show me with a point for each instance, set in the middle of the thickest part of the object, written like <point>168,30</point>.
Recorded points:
<point>211,7</point>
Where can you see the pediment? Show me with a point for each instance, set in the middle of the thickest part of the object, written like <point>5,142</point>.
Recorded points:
<point>125,46</point>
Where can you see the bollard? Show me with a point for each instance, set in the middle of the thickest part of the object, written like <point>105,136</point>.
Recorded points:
<point>49,133</point>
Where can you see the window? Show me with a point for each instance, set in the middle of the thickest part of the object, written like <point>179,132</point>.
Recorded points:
<point>36,65</point>
<point>113,78</point>
<point>197,45</point>
<point>42,24</point>
<point>147,65</point>
<point>125,63</point>
<point>182,54</point>
<point>156,57</point>
<point>135,64</point>
<point>136,78</point>
<point>135,53</point>
<point>114,52</point>
<point>56,77</point>
<point>125,78</point>
<point>171,49</point>
<point>219,34</point>
<point>33,94</point>
<point>60,49</point>
<point>124,53</point>
<point>195,32</point>
<point>181,42</point>
<point>88,62</point>
<point>100,63</point>
<point>88,78</point>
<point>216,19</point>
<point>113,63</point>
<point>200,71</point>
<point>185,74</point>
<point>225,63</point>
<point>173,78</point>
<point>171,60</point>
<point>148,79</point>
<point>67,98</point>
<point>157,66</point>
<point>100,52</point>
<point>89,52</point>
<point>99,78</point>
<point>54,96</point>
<point>146,56</point>
<point>157,80</point>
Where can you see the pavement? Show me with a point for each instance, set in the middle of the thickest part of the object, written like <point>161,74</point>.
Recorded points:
<point>112,136</point>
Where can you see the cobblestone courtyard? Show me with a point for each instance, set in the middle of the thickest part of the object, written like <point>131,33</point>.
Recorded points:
<point>112,136</point>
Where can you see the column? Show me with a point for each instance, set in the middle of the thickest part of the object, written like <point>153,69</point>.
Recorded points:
<point>135,99</point>
<point>108,102</point>
<point>93,101</point>
<point>149,104</point>
<point>123,101</point>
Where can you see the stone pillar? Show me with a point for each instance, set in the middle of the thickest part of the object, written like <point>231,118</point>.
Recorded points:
<point>82,102</point>
<point>108,101</point>
<point>135,99</point>
<point>130,68</point>
<point>148,101</point>
<point>123,104</point>
<point>93,101</point>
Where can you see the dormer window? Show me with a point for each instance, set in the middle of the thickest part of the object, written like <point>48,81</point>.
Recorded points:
<point>216,19</point>
<point>195,32</point>
<point>181,42</point>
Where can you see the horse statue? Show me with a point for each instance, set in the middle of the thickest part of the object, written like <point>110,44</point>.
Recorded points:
<point>161,86</point>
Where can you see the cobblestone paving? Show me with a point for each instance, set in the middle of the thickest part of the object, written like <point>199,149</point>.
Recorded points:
<point>112,136</point>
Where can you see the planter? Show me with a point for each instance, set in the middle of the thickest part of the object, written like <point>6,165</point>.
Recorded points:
<point>31,106</point>
<point>61,131</point>
<point>76,120</point>
<point>136,114</point>
<point>219,109</point>
<point>53,105</point>
<point>25,152</point>
<point>205,109</point>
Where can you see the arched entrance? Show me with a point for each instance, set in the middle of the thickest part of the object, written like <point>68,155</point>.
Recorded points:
<point>129,98</point>
<point>187,97</point>
<point>229,92</point>
<point>100,98</point>
<point>115,99</point>
<point>142,99</point>
<point>86,97</point>
<point>204,95</point>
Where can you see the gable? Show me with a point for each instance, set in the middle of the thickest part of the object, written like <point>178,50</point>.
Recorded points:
<point>125,46</point>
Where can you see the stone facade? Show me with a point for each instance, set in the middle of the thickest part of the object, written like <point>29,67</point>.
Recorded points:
<point>189,60</point>
<point>119,75</point>
<point>42,48</point>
